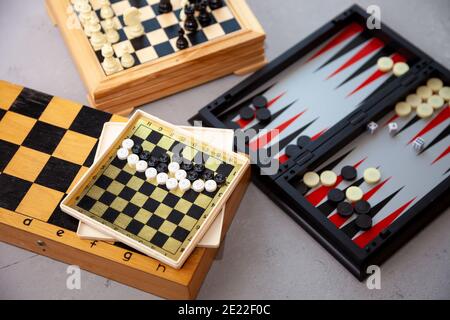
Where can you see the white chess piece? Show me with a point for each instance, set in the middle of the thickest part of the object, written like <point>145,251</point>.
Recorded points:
<point>127,59</point>
<point>110,29</point>
<point>106,12</point>
<point>184,3</point>
<point>78,4</point>
<point>132,19</point>
<point>98,38</point>
<point>110,64</point>
<point>85,13</point>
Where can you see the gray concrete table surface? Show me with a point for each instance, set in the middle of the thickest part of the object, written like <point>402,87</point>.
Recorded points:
<point>266,255</point>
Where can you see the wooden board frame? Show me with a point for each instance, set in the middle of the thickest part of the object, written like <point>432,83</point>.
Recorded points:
<point>106,259</point>
<point>175,260</point>
<point>239,52</point>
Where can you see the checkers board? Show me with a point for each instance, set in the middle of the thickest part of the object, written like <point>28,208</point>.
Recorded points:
<point>232,42</point>
<point>47,143</point>
<point>167,225</point>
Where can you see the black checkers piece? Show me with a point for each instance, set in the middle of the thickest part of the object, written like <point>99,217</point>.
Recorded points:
<point>364,222</point>
<point>259,102</point>
<point>162,167</point>
<point>192,176</point>
<point>263,115</point>
<point>137,149</point>
<point>187,166</point>
<point>247,113</point>
<point>208,175</point>
<point>145,155</point>
<point>199,168</point>
<point>349,173</point>
<point>219,179</point>
<point>165,158</point>
<point>303,141</point>
<point>292,151</point>
<point>362,207</point>
<point>152,162</point>
<point>345,209</point>
<point>336,196</point>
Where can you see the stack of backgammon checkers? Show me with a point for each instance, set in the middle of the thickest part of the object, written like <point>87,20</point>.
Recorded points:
<point>427,99</point>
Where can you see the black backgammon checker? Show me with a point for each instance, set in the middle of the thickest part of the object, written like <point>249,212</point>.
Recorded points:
<point>328,88</point>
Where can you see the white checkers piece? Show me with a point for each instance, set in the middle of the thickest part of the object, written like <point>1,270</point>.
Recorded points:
<point>162,178</point>
<point>424,92</point>
<point>328,178</point>
<point>403,109</point>
<point>435,84</point>
<point>141,166</point>
<point>436,101</point>
<point>151,173</point>
<point>445,93</point>
<point>198,186</point>
<point>424,110</point>
<point>372,127</point>
<point>210,186</point>
<point>385,64</point>
<point>133,160</point>
<point>414,100</point>
<point>393,128</point>
<point>123,154</point>
<point>172,184</point>
<point>372,176</point>
<point>419,145</point>
<point>173,168</point>
<point>400,68</point>
<point>180,175</point>
<point>184,185</point>
<point>311,179</point>
<point>128,144</point>
<point>354,194</point>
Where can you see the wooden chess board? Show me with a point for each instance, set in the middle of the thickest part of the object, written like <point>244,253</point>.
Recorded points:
<point>165,224</point>
<point>232,42</point>
<point>47,144</point>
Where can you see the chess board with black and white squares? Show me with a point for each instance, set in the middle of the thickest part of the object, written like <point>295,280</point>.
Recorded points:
<point>161,30</point>
<point>164,220</point>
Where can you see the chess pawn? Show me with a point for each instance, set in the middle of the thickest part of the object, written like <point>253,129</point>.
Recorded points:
<point>182,42</point>
<point>191,23</point>
<point>132,20</point>
<point>165,6</point>
<point>184,5</point>
<point>127,59</point>
<point>204,17</point>
<point>78,4</point>
<point>106,12</point>
<point>85,13</point>
<point>110,30</point>
<point>98,38</point>
<point>215,4</point>
<point>110,64</point>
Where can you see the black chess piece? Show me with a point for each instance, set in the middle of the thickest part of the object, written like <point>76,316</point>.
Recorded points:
<point>182,42</point>
<point>191,23</point>
<point>196,4</point>
<point>215,4</point>
<point>204,17</point>
<point>165,6</point>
